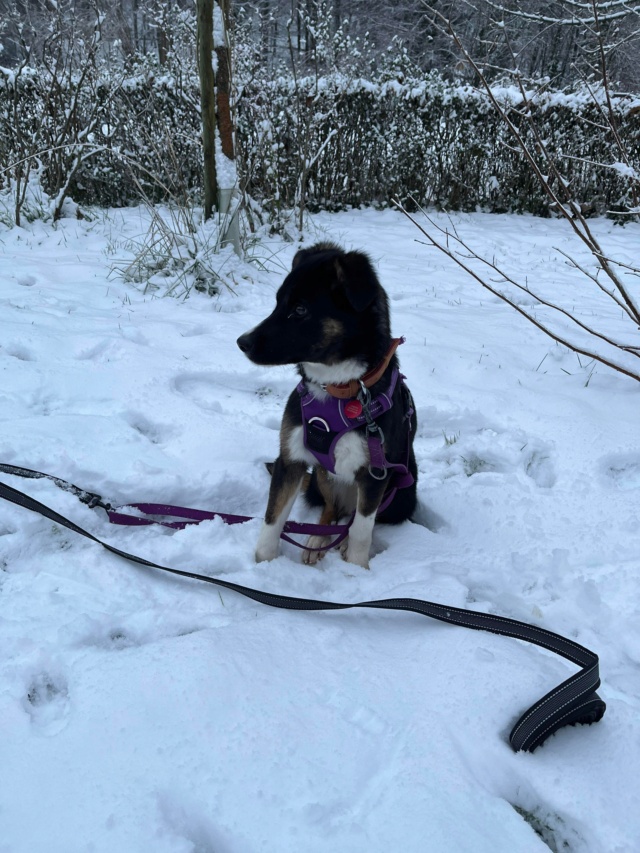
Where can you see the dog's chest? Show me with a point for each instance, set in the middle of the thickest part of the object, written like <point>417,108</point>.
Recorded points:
<point>350,451</point>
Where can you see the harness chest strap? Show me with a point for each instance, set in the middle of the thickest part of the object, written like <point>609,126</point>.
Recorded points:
<point>326,421</point>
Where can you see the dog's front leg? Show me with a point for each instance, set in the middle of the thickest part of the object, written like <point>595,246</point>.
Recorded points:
<point>358,545</point>
<point>313,554</point>
<point>285,483</point>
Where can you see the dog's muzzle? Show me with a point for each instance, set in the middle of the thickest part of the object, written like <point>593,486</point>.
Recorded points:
<point>245,342</point>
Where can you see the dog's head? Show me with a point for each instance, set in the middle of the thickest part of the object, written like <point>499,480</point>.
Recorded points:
<point>330,309</point>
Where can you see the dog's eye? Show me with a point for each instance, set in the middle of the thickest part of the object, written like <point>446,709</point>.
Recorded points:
<point>299,311</point>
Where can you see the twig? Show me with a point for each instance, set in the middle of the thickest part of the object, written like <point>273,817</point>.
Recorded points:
<point>532,319</point>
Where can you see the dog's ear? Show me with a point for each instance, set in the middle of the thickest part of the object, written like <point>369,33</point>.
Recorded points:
<point>357,276</point>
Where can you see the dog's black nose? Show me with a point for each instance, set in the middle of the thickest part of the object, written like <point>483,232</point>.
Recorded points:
<point>244,342</point>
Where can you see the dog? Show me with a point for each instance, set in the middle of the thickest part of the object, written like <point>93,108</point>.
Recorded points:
<point>351,418</point>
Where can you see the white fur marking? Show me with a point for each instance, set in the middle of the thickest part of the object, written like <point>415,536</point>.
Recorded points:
<point>351,454</point>
<point>360,535</point>
<point>330,374</point>
<point>268,543</point>
<point>269,539</point>
<point>296,449</point>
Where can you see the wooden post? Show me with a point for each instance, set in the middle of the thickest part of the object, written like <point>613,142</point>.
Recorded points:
<point>223,81</point>
<point>204,10</point>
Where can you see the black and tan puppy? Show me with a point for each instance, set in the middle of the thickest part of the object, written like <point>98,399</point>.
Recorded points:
<point>332,320</point>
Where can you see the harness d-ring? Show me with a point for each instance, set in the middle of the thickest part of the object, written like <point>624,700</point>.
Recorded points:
<point>320,421</point>
<point>376,476</point>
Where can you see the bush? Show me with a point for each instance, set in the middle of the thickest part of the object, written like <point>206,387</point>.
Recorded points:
<point>317,143</point>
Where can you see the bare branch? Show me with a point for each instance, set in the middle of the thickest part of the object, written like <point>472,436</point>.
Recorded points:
<point>616,11</point>
<point>559,338</point>
<point>562,199</point>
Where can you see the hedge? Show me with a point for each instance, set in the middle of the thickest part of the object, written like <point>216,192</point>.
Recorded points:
<point>329,143</point>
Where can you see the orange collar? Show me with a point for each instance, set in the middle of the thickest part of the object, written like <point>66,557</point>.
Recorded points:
<point>346,390</point>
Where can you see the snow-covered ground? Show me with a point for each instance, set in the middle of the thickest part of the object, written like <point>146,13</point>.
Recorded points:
<point>142,712</point>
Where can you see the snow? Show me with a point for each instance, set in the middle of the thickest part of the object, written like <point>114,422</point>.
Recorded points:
<point>226,171</point>
<point>219,33</point>
<point>143,712</point>
<point>626,171</point>
<point>433,87</point>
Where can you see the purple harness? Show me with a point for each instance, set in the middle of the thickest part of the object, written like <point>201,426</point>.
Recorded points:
<point>326,421</point>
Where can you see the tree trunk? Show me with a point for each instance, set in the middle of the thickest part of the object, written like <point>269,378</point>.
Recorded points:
<point>162,37</point>
<point>223,81</point>
<point>207,102</point>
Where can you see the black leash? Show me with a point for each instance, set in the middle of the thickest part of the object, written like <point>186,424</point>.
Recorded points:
<point>573,701</point>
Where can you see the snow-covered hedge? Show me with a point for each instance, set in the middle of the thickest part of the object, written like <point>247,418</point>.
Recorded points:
<point>324,143</point>
<point>429,139</point>
<point>145,137</point>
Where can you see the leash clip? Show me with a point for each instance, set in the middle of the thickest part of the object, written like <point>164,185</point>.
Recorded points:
<point>364,397</point>
<point>375,437</point>
<point>92,500</point>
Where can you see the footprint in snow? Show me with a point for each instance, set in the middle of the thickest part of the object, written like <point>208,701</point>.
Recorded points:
<point>189,822</point>
<point>622,470</point>
<point>47,703</point>
<point>133,631</point>
<point>473,449</point>
<point>549,826</point>
<point>218,392</point>
<point>201,388</point>
<point>152,431</point>
<point>20,351</point>
<point>26,280</point>
<point>194,331</point>
<point>94,352</point>
<point>539,466</point>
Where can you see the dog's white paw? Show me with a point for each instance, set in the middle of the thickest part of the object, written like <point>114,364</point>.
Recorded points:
<point>265,556</point>
<point>355,553</point>
<point>311,557</point>
<point>268,543</point>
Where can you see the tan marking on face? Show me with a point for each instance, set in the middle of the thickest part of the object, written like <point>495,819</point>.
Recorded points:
<point>331,331</point>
